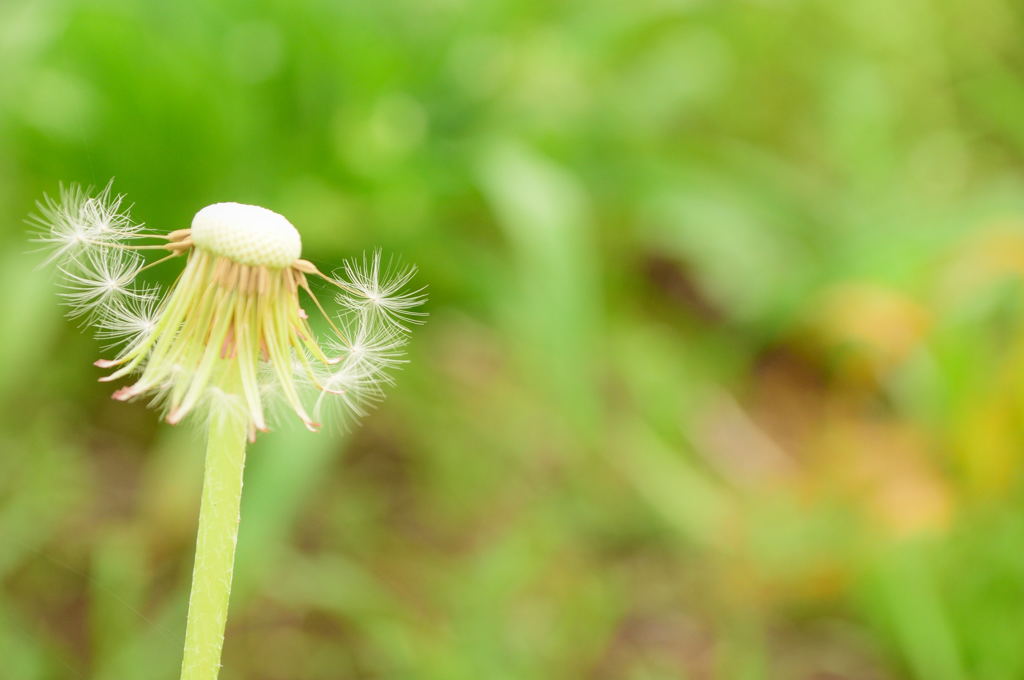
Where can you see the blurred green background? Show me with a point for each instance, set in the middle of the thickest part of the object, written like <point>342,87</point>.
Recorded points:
<point>724,373</point>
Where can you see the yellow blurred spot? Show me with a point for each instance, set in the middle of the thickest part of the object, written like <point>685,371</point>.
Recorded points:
<point>872,328</point>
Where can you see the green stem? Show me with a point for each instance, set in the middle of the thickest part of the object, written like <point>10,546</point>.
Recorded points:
<point>215,549</point>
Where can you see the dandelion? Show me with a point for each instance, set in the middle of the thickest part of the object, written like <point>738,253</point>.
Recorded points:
<point>229,339</point>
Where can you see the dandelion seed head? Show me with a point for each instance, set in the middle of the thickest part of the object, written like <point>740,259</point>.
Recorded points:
<point>231,337</point>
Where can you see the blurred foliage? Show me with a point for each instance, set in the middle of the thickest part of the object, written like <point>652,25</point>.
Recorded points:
<point>724,375</point>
